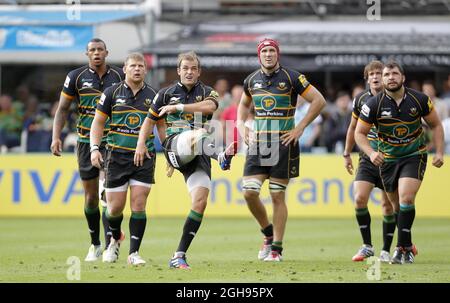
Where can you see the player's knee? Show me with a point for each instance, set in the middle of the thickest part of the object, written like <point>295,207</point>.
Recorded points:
<point>407,198</point>
<point>251,188</point>
<point>138,205</point>
<point>387,207</point>
<point>199,204</point>
<point>361,200</point>
<point>250,195</point>
<point>91,200</point>
<point>277,189</point>
<point>115,211</point>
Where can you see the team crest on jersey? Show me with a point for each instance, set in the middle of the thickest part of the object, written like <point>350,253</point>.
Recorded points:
<point>401,131</point>
<point>413,112</point>
<point>199,98</point>
<point>293,170</point>
<point>133,120</point>
<point>282,86</point>
<point>268,103</point>
<point>147,102</point>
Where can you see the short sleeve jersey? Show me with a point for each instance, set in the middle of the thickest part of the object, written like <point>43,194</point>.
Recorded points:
<point>176,94</point>
<point>126,113</point>
<point>399,127</point>
<point>275,99</point>
<point>358,103</point>
<point>86,86</point>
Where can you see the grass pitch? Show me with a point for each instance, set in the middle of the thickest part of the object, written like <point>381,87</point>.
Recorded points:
<point>224,250</point>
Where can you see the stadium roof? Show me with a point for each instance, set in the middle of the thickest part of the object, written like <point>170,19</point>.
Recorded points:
<point>348,38</point>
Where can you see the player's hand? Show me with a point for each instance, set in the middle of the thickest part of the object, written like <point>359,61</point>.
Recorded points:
<point>291,136</point>
<point>438,160</point>
<point>376,158</point>
<point>167,109</point>
<point>140,154</point>
<point>97,159</point>
<point>56,147</point>
<point>348,164</point>
<point>169,170</point>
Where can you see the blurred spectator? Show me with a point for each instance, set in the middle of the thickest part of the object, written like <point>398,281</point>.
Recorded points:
<point>335,127</point>
<point>11,119</point>
<point>358,88</point>
<point>446,125</point>
<point>312,131</point>
<point>442,108</point>
<point>230,114</point>
<point>24,96</point>
<point>446,94</point>
<point>222,88</point>
<point>39,126</point>
<point>414,84</point>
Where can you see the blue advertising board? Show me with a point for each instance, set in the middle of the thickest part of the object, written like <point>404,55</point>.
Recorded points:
<point>45,38</point>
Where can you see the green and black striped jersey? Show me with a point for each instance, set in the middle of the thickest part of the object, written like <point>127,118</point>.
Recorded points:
<point>86,86</point>
<point>358,103</point>
<point>127,113</point>
<point>399,127</point>
<point>275,100</point>
<point>178,93</point>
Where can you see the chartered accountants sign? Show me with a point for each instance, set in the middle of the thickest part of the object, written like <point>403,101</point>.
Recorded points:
<point>44,38</point>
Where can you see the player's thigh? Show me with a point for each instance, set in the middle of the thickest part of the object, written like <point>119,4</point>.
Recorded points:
<point>118,168</point>
<point>407,189</point>
<point>116,200</point>
<point>288,164</point>
<point>367,171</point>
<point>86,169</point>
<point>412,172</point>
